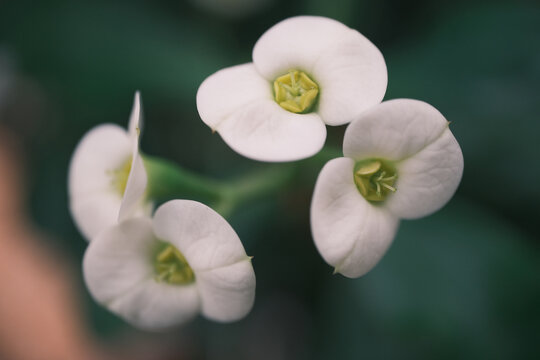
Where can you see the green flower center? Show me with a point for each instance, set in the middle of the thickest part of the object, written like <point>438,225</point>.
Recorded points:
<point>296,92</point>
<point>375,178</point>
<point>120,177</point>
<point>171,266</point>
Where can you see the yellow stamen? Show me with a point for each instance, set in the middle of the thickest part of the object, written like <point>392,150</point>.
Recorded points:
<point>374,179</point>
<point>296,92</point>
<point>171,266</point>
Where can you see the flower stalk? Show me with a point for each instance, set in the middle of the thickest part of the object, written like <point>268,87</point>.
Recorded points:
<point>168,180</point>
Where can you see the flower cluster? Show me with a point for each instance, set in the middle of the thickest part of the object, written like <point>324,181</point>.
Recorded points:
<point>157,269</point>
<point>155,272</point>
<point>401,159</point>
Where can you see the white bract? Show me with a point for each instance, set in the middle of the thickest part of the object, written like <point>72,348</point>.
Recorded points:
<point>307,72</point>
<point>401,161</point>
<point>158,273</point>
<point>107,179</point>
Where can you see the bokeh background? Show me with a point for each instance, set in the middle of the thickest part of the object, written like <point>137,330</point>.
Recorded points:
<point>463,283</point>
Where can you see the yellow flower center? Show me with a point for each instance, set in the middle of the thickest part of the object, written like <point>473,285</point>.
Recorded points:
<point>296,92</point>
<point>171,266</point>
<point>375,178</point>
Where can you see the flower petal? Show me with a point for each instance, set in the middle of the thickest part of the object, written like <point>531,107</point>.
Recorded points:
<point>158,306</point>
<point>428,179</point>
<point>94,201</point>
<point>118,271</point>
<point>352,76</point>
<point>137,178</point>
<point>101,151</point>
<point>227,293</point>
<point>393,130</point>
<point>133,198</point>
<point>228,90</point>
<point>135,119</point>
<point>264,131</point>
<point>350,233</point>
<point>118,259</point>
<point>204,237</point>
<point>296,43</point>
<point>95,212</point>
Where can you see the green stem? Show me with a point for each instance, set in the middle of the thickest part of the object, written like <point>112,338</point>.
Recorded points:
<point>167,180</point>
<point>254,186</point>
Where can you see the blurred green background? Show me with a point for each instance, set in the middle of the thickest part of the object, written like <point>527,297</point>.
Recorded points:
<point>463,283</point>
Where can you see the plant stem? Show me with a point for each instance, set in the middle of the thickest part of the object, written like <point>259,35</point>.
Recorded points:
<point>167,180</point>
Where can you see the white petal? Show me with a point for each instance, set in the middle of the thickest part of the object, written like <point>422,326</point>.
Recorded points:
<point>228,90</point>
<point>428,179</point>
<point>158,306</point>
<point>227,293</point>
<point>264,131</point>
<point>133,199</point>
<point>135,119</point>
<point>204,237</point>
<point>95,212</point>
<point>94,201</point>
<point>393,130</point>
<point>101,151</point>
<point>352,77</point>
<point>118,271</point>
<point>119,259</point>
<point>296,43</point>
<point>350,233</point>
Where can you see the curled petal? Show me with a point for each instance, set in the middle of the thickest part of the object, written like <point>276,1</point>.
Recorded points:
<point>296,43</point>
<point>264,131</point>
<point>428,179</point>
<point>228,90</point>
<point>227,293</point>
<point>394,130</point>
<point>132,201</point>
<point>135,119</point>
<point>118,272</point>
<point>352,76</point>
<point>350,233</point>
<point>204,237</point>
<point>137,179</point>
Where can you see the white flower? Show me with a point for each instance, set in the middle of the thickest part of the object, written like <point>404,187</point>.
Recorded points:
<point>401,161</point>
<point>158,273</point>
<point>107,179</point>
<point>307,72</point>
